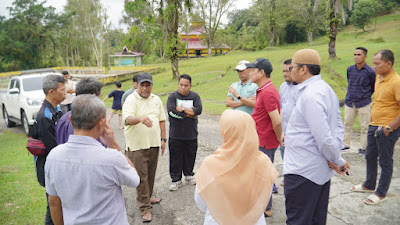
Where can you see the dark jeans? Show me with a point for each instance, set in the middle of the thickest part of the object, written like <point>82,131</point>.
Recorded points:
<point>271,154</point>
<point>378,145</point>
<point>48,220</point>
<point>182,156</point>
<point>306,202</point>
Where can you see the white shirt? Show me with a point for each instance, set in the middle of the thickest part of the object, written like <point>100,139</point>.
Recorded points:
<point>314,134</point>
<point>87,178</point>
<point>70,85</point>
<point>289,94</point>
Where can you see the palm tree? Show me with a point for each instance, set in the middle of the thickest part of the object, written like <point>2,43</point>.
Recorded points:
<point>335,9</point>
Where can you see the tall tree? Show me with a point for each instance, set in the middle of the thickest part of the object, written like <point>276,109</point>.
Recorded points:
<point>211,12</point>
<point>273,16</point>
<point>335,10</point>
<point>28,39</point>
<point>310,13</point>
<point>86,32</point>
<point>167,19</point>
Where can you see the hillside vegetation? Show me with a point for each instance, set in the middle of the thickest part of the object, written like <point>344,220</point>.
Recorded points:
<point>211,77</point>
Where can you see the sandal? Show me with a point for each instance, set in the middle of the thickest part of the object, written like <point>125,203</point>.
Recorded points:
<point>268,213</point>
<point>146,218</point>
<point>155,200</point>
<point>360,188</point>
<point>374,200</point>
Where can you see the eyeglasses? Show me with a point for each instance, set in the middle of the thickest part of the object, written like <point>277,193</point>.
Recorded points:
<point>291,68</point>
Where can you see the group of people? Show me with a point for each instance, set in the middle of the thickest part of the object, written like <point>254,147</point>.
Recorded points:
<point>84,154</point>
<point>85,167</point>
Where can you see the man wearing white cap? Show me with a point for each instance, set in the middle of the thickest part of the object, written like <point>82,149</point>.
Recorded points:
<point>242,94</point>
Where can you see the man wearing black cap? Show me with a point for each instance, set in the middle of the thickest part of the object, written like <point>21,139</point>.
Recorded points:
<point>143,113</point>
<point>266,112</point>
<point>70,90</point>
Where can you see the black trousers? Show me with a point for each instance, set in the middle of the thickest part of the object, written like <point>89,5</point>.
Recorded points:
<point>182,156</point>
<point>306,202</point>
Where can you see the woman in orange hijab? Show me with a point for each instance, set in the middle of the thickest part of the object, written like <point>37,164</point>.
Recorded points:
<point>234,184</point>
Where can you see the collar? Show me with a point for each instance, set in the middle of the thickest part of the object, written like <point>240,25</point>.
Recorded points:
<point>309,81</point>
<point>264,86</point>
<point>136,94</point>
<point>51,107</point>
<point>247,83</point>
<point>364,67</point>
<point>84,140</point>
<point>388,77</point>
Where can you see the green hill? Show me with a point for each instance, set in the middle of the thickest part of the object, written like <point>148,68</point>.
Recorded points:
<point>211,77</point>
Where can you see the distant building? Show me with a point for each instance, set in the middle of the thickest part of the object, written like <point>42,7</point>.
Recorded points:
<point>127,58</point>
<point>196,45</point>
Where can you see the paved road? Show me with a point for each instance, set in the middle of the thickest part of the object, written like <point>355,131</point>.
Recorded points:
<point>345,207</point>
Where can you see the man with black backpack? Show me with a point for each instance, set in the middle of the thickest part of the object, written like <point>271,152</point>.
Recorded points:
<point>183,107</point>
<point>45,123</point>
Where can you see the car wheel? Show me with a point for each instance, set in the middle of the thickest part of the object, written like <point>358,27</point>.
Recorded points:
<point>7,119</point>
<point>25,124</point>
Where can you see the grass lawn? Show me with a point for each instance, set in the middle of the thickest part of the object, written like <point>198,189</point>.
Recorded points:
<point>23,200</point>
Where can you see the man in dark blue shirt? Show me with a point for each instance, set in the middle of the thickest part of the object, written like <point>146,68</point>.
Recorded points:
<point>361,83</point>
<point>45,123</point>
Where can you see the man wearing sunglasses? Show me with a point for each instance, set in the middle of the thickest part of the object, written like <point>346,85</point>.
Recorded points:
<point>361,81</point>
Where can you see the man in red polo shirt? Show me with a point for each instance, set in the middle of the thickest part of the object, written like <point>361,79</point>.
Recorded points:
<point>267,112</point>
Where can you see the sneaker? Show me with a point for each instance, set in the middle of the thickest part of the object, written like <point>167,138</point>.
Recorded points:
<point>361,151</point>
<point>191,180</point>
<point>175,185</point>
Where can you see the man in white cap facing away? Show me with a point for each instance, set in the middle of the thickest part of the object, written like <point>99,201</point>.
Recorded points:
<point>242,94</point>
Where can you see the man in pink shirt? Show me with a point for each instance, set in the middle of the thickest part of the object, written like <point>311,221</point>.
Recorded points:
<point>267,111</point>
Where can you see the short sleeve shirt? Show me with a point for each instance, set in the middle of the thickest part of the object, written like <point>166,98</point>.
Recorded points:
<point>387,97</point>
<point>139,136</point>
<point>117,95</point>
<point>126,94</point>
<point>87,178</point>
<point>267,100</point>
<point>244,90</point>
<point>70,85</point>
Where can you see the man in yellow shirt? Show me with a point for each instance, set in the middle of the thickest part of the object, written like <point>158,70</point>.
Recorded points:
<point>383,130</point>
<point>144,116</point>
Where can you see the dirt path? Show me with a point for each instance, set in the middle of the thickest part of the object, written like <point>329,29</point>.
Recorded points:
<point>345,207</point>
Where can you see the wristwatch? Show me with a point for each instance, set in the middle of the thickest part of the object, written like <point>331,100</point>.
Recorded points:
<point>164,139</point>
<point>239,97</point>
<point>388,128</point>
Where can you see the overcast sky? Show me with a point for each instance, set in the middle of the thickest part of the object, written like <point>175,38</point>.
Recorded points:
<point>114,8</point>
